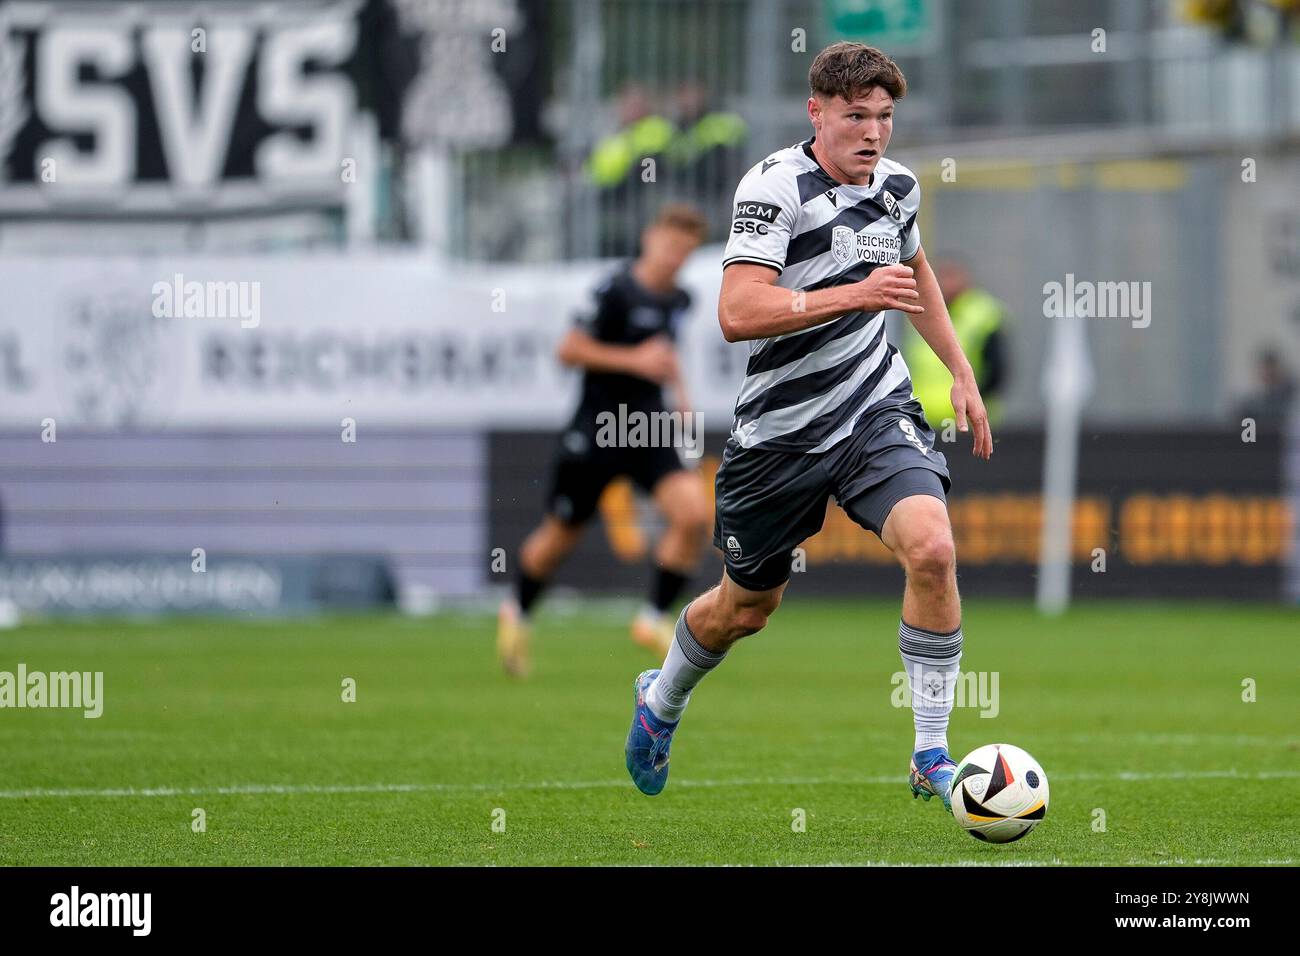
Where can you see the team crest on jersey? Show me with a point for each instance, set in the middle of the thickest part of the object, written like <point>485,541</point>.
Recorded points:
<point>733,547</point>
<point>842,244</point>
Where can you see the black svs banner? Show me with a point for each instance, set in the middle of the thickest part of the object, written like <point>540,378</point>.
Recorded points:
<point>1183,513</point>
<point>146,107</point>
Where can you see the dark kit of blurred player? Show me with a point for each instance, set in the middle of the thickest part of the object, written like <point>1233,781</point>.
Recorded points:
<point>626,348</point>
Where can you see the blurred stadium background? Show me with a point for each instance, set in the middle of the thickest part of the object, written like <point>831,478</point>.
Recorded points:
<point>414,196</point>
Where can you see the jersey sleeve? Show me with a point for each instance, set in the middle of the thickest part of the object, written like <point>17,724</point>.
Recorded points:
<point>909,206</point>
<point>763,217</point>
<point>600,317</point>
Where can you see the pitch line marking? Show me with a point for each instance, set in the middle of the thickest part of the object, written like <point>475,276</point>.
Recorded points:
<point>272,789</point>
<point>1057,861</point>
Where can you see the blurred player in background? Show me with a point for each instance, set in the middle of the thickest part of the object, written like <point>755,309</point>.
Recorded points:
<point>821,232</point>
<point>626,348</point>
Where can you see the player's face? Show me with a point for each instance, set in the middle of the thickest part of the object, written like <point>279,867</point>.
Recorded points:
<point>853,133</point>
<point>669,248</point>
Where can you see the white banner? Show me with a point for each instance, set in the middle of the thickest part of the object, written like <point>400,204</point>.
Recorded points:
<point>391,339</point>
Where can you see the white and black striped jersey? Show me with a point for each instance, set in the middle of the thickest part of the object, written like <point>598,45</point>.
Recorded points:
<point>803,391</point>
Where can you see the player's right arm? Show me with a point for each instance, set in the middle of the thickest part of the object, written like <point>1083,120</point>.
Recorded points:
<point>654,359</point>
<point>751,305</point>
<point>592,342</point>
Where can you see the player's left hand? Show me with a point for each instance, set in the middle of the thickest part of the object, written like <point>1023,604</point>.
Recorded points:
<point>972,417</point>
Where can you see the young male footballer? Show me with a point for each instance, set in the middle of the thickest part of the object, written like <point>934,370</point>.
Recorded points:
<point>823,242</point>
<point>625,347</point>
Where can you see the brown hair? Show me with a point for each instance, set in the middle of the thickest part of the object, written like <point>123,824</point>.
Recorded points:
<point>685,217</point>
<point>847,69</point>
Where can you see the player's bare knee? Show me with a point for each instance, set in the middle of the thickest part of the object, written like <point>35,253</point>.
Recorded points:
<point>697,524</point>
<point>558,540</point>
<point>693,516</point>
<point>931,558</point>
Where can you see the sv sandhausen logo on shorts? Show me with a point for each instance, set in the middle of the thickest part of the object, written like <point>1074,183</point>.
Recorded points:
<point>864,246</point>
<point>733,547</point>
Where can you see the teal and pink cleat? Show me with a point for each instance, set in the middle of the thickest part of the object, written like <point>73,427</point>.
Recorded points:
<point>931,775</point>
<point>648,741</point>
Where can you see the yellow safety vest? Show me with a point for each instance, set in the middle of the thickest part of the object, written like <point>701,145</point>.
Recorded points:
<point>975,316</point>
<point>615,156</point>
<point>709,131</point>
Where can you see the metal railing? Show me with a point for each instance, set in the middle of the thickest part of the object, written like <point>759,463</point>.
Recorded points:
<point>987,68</point>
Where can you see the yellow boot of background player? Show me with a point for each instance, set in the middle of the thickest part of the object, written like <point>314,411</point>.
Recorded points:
<point>654,632</point>
<point>513,639</point>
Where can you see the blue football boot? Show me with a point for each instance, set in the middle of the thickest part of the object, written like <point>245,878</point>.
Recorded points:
<point>648,740</point>
<point>931,775</point>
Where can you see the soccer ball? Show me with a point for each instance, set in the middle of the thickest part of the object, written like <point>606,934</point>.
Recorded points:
<point>999,793</point>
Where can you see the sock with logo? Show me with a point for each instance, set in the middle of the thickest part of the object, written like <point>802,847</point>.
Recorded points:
<point>527,591</point>
<point>687,663</point>
<point>932,662</point>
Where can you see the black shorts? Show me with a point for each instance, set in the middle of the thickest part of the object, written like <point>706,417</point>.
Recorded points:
<point>582,470</point>
<point>768,502</point>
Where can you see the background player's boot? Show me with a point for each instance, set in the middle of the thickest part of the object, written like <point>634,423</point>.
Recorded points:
<point>648,740</point>
<point>931,775</point>
<point>513,639</point>
<point>653,632</point>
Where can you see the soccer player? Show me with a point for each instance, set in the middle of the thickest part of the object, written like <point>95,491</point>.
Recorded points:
<point>824,240</point>
<point>625,347</point>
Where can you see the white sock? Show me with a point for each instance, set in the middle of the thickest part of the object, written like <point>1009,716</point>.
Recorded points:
<point>932,662</point>
<point>685,666</point>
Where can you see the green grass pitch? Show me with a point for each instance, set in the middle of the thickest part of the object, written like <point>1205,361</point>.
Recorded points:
<point>1134,710</point>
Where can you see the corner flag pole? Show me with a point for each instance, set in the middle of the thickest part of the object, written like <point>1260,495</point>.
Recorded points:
<point>1067,382</point>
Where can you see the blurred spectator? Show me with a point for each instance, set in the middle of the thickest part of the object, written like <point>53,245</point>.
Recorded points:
<point>1270,403</point>
<point>698,156</point>
<point>1222,15</point>
<point>705,156</point>
<point>641,133</point>
<point>616,168</point>
<point>1262,22</point>
<point>978,319</point>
